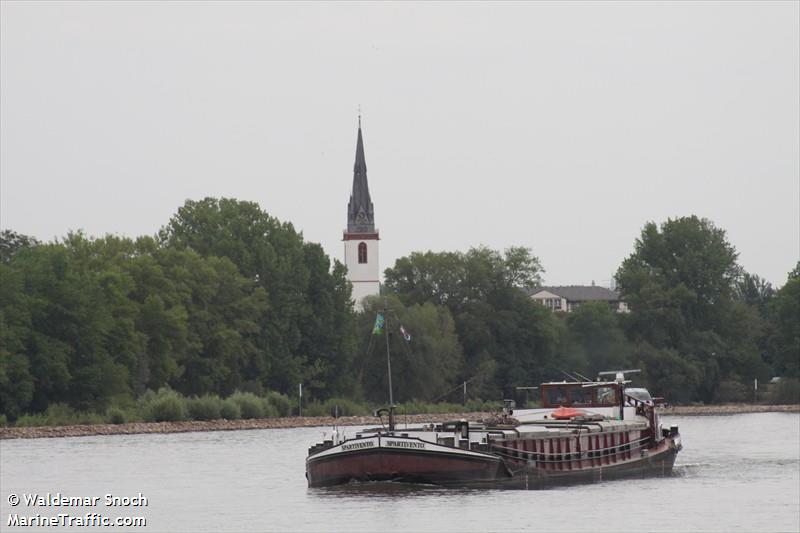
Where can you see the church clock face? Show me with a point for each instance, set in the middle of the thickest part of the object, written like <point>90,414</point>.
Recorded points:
<point>361,218</point>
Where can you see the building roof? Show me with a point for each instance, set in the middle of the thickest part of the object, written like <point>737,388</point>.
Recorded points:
<point>580,293</point>
<point>360,213</point>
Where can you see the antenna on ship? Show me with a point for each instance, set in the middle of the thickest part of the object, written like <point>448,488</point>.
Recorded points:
<point>619,375</point>
<point>584,378</point>
<point>570,376</point>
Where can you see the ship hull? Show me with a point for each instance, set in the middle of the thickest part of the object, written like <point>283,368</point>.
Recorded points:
<point>452,467</point>
<point>403,461</point>
<point>657,462</point>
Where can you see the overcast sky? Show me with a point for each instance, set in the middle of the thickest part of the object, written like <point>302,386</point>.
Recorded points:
<point>563,127</point>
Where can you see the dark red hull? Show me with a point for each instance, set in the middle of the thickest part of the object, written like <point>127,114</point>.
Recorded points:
<point>403,466</point>
<point>659,462</point>
<point>486,470</point>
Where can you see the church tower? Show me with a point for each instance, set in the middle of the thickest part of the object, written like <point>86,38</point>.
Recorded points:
<point>361,238</point>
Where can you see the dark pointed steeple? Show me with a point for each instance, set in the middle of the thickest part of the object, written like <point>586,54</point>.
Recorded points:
<point>360,214</point>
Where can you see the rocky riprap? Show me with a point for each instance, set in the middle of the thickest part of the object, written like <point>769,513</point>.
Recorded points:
<point>136,428</point>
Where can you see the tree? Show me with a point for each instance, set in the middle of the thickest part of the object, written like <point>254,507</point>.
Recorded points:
<point>508,340</point>
<point>784,316</point>
<point>328,343</point>
<point>73,341</point>
<point>680,284</point>
<point>677,275</point>
<point>162,317</point>
<point>223,313</point>
<point>424,367</point>
<point>11,242</point>
<point>306,298</point>
<point>455,278</point>
<point>227,297</point>
<point>754,291</point>
<point>524,342</point>
<point>16,380</point>
<point>669,374</point>
<point>593,333</point>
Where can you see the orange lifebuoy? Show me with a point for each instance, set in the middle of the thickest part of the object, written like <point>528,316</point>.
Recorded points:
<point>565,413</point>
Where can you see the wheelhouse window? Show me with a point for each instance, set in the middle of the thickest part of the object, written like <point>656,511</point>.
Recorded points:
<point>575,394</point>
<point>606,396</point>
<point>557,395</point>
<point>362,252</point>
<point>580,396</point>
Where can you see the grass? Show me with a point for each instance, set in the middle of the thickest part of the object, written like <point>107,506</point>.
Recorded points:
<point>167,405</point>
<point>338,407</point>
<point>472,406</point>
<point>59,414</point>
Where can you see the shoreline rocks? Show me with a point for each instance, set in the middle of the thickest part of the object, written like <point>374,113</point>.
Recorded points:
<point>139,428</point>
<point>726,409</point>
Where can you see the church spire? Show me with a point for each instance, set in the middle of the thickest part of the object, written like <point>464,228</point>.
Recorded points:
<point>360,214</point>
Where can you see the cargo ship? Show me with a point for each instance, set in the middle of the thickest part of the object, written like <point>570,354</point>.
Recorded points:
<point>585,431</point>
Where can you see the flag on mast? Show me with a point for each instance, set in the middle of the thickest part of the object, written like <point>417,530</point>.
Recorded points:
<point>378,329</point>
<point>406,335</point>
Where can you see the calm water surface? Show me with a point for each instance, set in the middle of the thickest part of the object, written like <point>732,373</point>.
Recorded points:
<point>735,473</point>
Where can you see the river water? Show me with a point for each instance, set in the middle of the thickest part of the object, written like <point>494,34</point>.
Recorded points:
<point>735,473</point>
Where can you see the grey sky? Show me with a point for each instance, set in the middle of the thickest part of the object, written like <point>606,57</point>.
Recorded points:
<point>561,127</point>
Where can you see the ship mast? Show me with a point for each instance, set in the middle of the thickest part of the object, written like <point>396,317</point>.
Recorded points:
<point>388,364</point>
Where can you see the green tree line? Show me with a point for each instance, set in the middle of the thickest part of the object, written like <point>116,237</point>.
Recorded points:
<point>227,298</point>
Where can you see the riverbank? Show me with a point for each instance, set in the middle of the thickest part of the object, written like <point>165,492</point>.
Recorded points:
<point>727,409</point>
<point>218,425</point>
<point>137,428</point>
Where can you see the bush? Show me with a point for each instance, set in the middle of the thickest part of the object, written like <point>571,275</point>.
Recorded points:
<point>416,407</point>
<point>164,406</point>
<point>346,407</point>
<point>88,419</point>
<point>733,391</point>
<point>281,403</point>
<point>479,406</point>
<point>204,407</point>
<point>60,414</point>
<point>314,408</point>
<point>28,421</point>
<point>229,410</point>
<point>269,410</point>
<point>250,405</point>
<point>115,415</point>
<point>327,408</point>
<point>3,421</point>
<point>786,391</point>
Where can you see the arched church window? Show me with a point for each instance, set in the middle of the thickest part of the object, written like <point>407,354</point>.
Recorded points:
<point>362,252</point>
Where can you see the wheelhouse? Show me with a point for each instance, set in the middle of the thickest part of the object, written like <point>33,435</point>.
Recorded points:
<point>579,394</point>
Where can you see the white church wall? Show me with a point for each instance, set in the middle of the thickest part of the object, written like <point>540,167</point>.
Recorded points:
<point>365,277</point>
